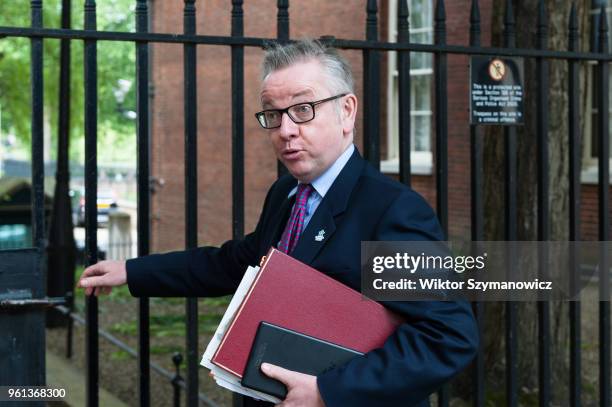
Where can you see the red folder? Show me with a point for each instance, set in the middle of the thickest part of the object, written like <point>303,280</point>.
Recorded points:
<point>293,295</point>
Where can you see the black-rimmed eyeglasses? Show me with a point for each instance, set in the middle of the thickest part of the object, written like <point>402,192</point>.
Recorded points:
<point>299,113</point>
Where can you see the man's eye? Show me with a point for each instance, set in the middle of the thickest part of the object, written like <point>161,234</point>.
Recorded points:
<point>271,115</point>
<point>303,108</point>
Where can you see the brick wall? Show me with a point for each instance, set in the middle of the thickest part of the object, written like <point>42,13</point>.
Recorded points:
<point>589,217</point>
<point>314,19</point>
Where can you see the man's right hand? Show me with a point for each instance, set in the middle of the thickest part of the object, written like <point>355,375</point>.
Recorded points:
<point>101,277</point>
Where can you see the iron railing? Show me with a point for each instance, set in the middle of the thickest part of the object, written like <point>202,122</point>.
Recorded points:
<point>371,48</point>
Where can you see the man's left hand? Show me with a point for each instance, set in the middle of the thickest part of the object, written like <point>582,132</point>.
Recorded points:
<point>302,388</point>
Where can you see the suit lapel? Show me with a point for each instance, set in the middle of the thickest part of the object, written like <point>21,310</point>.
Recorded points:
<point>322,225</point>
<point>317,233</point>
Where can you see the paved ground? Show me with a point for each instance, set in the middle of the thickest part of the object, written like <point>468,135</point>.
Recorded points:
<point>61,374</point>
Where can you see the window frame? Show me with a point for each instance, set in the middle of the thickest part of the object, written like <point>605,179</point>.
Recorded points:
<point>421,162</point>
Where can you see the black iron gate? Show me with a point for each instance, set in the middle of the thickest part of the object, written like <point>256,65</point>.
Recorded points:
<point>371,48</point>
<point>22,272</point>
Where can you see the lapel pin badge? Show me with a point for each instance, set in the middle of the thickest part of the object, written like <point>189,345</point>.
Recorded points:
<point>320,236</point>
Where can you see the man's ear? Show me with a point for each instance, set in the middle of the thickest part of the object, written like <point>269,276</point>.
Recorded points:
<point>349,113</point>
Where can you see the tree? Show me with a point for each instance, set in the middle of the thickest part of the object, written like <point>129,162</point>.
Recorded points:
<point>526,12</point>
<point>116,73</point>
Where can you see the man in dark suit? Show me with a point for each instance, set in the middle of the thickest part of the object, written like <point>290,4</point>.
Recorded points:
<point>331,201</point>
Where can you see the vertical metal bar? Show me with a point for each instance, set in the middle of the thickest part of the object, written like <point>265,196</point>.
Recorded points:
<point>282,35</point>
<point>510,229</point>
<point>177,358</point>
<point>61,247</point>
<point>542,125</point>
<point>91,192</point>
<point>371,85</point>
<point>61,250</point>
<point>477,217</point>
<point>38,166</point>
<point>143,201</point>
<point>38,179</point>
<point>603,125</point>
<point>574,208</point>
<point>441,96</point>
<point>64,129</point>
<point>237,123</point>
<point>403,67</point>
<point>191,192</point>
<point>543,202</point>
<point>282,20</point>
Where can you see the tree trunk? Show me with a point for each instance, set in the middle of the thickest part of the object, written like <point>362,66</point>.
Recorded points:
<point>494,199</point>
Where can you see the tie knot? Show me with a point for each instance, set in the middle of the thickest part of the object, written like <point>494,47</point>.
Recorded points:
<point>303,192</point>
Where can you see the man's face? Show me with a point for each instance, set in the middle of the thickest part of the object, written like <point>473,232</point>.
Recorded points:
<point>308,149</point>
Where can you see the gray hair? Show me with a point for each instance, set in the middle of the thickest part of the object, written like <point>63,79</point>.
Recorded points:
<point>279,56</point>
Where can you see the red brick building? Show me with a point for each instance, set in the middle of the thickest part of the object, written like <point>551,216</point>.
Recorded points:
<point>307,19</point>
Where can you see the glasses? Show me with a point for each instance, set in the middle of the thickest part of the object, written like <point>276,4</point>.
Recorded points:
<point>299,113</point>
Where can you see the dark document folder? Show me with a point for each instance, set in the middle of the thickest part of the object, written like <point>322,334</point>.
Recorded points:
<point>291,350</point>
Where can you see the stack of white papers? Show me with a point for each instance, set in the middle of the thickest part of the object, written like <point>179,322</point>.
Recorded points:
<point>223,377</point>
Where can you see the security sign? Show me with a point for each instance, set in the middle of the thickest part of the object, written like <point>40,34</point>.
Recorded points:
<point>496,90</point>
<point>497,70</point>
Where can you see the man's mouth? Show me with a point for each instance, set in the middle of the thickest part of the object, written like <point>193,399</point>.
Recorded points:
<point>291,154</point>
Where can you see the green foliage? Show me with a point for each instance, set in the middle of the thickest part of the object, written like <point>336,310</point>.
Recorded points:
<point>167,349</point>
<point>116,62</point>
<point>210,302</point>
<point>154,350</point>
<point>120,355</point>
<point>172,325</point>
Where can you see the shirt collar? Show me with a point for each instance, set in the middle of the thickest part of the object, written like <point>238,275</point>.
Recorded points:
<point>324,182</point>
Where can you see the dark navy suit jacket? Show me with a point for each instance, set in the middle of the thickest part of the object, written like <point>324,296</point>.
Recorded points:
<point>437,340</point>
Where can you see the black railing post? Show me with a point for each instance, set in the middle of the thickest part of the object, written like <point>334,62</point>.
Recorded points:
<point>61,250</point>
<point>237,123</point>
<point>403,68</point>
<point>282,36</point>
<point>441,164</point>
<point>37,208</point>
<point>477,218</point>
<point>64,128</point>
<point>177,359</point>
<point>191,192</point>
<point>574,210</point>
<point>143,198</point>
<point>282,28</point>
<point>91,193</point>
<point>371,86</point>
<point>510,216</point>
<point>543,205</point>
<point>440,72</point>
<point>603,126</point>
<point>282,21</point>
<point>69,331</point>
<point>38,168</point>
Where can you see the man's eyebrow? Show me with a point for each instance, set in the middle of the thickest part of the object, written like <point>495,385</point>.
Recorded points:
<point>267,104</point>
<point>304,93</point>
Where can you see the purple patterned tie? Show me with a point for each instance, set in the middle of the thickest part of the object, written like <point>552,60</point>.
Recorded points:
<point>294,227</point>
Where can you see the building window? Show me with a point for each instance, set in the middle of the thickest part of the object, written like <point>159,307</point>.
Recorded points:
<point>590,151</point>
<point>421,73</point>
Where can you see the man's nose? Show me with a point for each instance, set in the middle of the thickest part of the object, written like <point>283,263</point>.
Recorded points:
<point>288,128</point>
